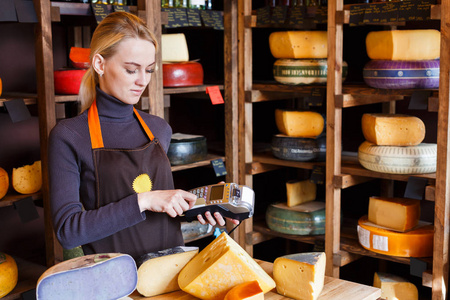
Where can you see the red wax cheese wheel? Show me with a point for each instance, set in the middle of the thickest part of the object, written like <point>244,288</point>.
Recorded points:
<point>1,87</point>
<point>182,74</point>
<point>246,291</point>
<point>67,82</point>
<point>79,57</point>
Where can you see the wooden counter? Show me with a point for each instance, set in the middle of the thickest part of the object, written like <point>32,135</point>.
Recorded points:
<point>334,289</point>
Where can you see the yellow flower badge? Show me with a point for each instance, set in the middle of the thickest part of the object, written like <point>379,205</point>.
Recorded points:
<point>142,183</point>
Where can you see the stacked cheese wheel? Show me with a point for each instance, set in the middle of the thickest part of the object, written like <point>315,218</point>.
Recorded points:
<point>403,59</point>
<point>301,136</point>
<point>392,227</point>
<point>178,71</point>
<point>394,145</point>
<point>68,81</point>
<point>301,57</point>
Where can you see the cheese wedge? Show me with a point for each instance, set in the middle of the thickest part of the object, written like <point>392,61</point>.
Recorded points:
<point>298,44</point>
<point>304,124</point>
<point>418,44</point>
<point>246,291</point>
<point>174,47</point>
<point>158,271</point>
<point>299,192</point>
<point>393,129</point>
<point>394,213</point>
<point>395,287</point>
<point>300,276</point>
<point>219,267</point>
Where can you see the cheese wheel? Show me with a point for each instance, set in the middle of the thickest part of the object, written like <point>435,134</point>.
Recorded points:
<point>394,213</point>
<point>299,192</point>
<point>414,243</point>
<point>416,44</point>
<point>94,276</point>
<point>246,291</point>
<point>158,271</point>
<point>174,47</point>
<point>219,267</point>
<point>8,274</point>
<point>300,276</point>
<point>27,179</point>
<point>1,86</point>
<point>304,124</point>
<point>398,160</point>
<point>298,44</point>
<point>182,74</point>
<point>298,149</point>
<point>395,74</point>
<point>392,129</point>
<point>304,219</point>
<point>395,287</point>
<point>4,182</point>
<point>303,71</point>
<point>67,82</point>
<point>79,57</point>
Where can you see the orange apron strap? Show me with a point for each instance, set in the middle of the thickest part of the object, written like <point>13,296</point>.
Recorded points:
<point>144,126</point>
<point>94,127</point>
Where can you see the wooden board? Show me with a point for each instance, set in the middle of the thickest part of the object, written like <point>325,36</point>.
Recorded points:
<point>334,289</point>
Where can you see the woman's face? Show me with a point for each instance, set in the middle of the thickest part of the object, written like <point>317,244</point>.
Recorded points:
<point>127,73</point>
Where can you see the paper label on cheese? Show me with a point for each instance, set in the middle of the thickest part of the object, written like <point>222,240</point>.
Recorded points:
<point>364,236</point>
<point>380,242</point>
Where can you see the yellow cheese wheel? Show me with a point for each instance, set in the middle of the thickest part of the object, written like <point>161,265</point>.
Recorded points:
<point>418,44</point>
<point>392,129</point>
<point>414,243</point>
<point>4,182</point>
<point>298,44</point>
<point>27,179</point>
<point>303,124</point>
<point>8,274</point>
<point>246,291</point>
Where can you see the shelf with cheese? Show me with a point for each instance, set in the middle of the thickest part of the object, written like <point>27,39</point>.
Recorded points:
<point>12,197</point>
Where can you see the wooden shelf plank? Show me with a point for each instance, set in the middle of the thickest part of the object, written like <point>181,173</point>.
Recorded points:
<point>10,198</point>
<point>202,163</point>
<point>344,180</point>
<point>189,89</point>
<point>29,99</point>
<point>268,158</point>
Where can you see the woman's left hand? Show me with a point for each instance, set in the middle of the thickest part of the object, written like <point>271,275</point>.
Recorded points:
<point>216,219</point>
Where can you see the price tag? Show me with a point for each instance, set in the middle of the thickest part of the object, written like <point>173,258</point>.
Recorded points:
<point>177,17</point>
<point>124,8</point>
<point>193,16</point>
<point>419,100</point>
<point>214,94</point>
<point>263,16</point>
<point>417,267</point>
<point>17,110</point>
<point>415,188</point>
<point>8,11</point>
<point>100,11</point>
<point>357,14</point>
<point>318,175</point>
<point>25,11</point>
<point>26,209</point>
<point>219,167</point>
<point>297,15</point>
<point>279,14</point>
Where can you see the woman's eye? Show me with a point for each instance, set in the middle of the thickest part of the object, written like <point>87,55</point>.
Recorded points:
<point>131,71</point>
<point>150,71</point>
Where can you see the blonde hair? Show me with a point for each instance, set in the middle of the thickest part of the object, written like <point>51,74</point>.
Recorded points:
<point>116,27</point>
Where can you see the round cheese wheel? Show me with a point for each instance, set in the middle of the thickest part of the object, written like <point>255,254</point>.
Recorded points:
<point>8,274</point>
<point>303,71</point>
<point>398,160</point>
<point>27,179</point>
<point>395,74</point>
<point>187,151</point>
<point>291,220</point>
<point>299,149</point>
<point>188,73</point>
<point>298,44</point>
<point>67,82</point>
<point>4,182</point>
<point>414,243</point>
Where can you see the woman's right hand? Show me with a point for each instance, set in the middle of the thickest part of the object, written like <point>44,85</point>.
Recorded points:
<point>172,202</point>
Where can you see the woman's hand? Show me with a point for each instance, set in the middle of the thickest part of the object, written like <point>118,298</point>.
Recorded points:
<point>172,202</point>
<point>218,219</point>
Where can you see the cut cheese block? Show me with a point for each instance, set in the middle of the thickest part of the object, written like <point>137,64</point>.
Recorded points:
<point>300,276</point>
<point>299,192</point>
<point>395,287</point>
<point>298,44</point>
<point>182,74</point>
<point>396,74</point>
<point>79,57</point>
<point>246,291</point>
<point>8,274</point>
<point>419,44</point>
<point>304,219</point>
<point>304,124</point>
<point>4,182</point>
<point>95,276</point>
<point>299,149</point>
<point>394,213</point>
<point>158,271</point>
<point>27,179</point>
<point>392,129</point>
<point>174,47</point>
<point>303,71</point>
<point>414,243</point>
<point>219,267</point>
<point>398,160</point>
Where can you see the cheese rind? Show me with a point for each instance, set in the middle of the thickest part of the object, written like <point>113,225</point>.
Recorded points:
<point>158,271</point>
<point>395,287</point>
<point>174,47</point>
<point>219,267</point>
<point>394,213</point>
<point>419,44</point>
<point>393,129</point>
<point>304,124</point>
<point>300,276</point>
<point>298,44</point>
<point>299,192</point>
<point>246,291</point>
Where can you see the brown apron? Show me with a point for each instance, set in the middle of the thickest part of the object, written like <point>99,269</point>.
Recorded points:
<point>115,171</point>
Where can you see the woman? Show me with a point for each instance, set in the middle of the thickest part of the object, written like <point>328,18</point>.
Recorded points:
<point>111,184</point>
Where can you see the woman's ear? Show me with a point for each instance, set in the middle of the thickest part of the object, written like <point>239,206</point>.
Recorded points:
<point>98,63</point>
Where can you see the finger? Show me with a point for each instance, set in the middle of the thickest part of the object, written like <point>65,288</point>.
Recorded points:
<point>219,219</point>
<point>171,212</point>
<point>184,205</point>
<point>210,218</point>
<point>201,220</point>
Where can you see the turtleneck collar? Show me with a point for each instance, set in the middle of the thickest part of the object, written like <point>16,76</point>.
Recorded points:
<point>112,108</point>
